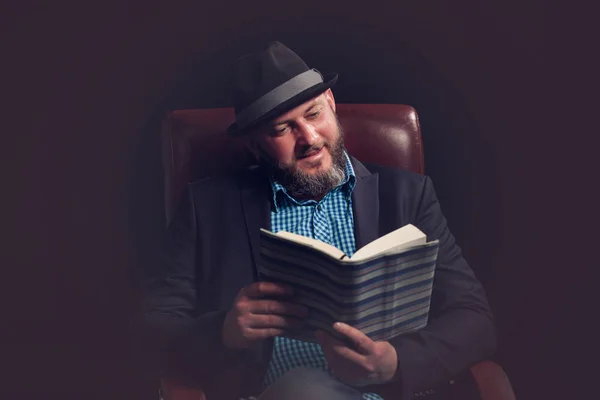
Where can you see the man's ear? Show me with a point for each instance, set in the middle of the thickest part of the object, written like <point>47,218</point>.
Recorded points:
<point>330,99</point>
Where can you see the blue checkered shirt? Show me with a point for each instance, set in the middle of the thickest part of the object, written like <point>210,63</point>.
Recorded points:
<point>330,220</point>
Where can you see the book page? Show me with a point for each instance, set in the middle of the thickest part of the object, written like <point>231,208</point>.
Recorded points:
<point>402,238</point>
<point>314,243</point>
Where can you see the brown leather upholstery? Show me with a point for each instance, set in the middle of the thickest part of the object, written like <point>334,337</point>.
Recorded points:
<point>196,145</point>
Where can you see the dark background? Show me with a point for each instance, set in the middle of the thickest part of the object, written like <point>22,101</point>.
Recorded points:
<point>90,81</point>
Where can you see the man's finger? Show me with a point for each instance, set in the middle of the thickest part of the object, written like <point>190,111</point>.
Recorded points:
<point>260,334</point>
<point>361,342</point>
<point>323,340</point>
<point>275,321</point>
<point>277,307</point>
<point>333,347</point>
<point>264,289</point>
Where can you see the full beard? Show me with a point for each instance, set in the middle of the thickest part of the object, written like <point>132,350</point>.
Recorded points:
<point>301,185</point>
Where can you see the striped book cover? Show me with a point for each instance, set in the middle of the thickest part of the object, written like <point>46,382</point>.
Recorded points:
<point>383,295</point>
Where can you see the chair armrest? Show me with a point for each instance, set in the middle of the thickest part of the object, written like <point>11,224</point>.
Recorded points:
<point>171,390</point>
<point>492,382</point>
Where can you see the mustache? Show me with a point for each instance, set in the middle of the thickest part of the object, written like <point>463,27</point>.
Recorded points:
<point>310,150</point>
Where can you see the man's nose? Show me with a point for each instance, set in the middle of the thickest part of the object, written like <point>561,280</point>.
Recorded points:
<point>306,133</point>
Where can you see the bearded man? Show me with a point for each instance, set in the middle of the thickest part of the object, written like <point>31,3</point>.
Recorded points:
<point>221,329</point>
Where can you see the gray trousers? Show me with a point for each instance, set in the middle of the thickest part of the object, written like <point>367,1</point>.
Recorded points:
<point>309,384</point>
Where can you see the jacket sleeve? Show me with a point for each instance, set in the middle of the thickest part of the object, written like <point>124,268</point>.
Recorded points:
<point>460,331</point>
<point>184,345</point>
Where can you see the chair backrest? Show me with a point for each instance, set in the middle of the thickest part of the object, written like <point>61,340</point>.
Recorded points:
<point>195,144</point>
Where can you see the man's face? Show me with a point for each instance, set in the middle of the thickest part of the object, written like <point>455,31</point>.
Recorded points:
<point>304,147</point>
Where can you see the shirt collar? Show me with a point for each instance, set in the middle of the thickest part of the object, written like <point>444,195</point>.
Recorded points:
<point>347,185</point>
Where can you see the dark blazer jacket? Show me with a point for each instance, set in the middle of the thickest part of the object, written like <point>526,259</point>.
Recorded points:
<point>210,252</point>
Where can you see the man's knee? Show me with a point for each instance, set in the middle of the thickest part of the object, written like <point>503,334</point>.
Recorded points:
<point>309,384</point>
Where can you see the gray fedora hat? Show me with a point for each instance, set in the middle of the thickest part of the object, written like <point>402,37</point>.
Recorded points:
<point>271,82</point>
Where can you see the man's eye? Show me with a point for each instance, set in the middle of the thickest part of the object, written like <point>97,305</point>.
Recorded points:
<point>280,131</point>
<point>314,115</point>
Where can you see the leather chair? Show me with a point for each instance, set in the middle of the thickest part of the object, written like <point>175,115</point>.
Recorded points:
<point>195,146</point>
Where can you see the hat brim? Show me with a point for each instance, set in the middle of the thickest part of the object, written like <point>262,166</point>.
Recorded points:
<point>329,80</point>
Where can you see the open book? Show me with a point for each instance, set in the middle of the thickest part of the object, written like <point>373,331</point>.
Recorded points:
<point>384,289</point>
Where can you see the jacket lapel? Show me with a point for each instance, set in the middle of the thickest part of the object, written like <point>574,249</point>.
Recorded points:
<point>365,205</point>
<point>256,207</point>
